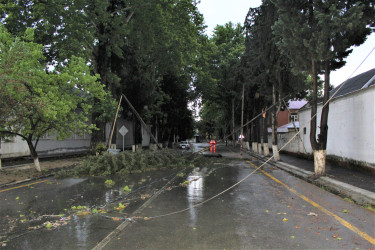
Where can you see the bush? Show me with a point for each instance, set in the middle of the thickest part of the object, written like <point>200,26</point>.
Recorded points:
<point>100,148</point>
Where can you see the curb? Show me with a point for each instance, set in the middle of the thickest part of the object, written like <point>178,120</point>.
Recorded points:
<point>358,195</point>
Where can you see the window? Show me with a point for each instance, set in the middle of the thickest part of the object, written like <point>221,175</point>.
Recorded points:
<point>293,117</point>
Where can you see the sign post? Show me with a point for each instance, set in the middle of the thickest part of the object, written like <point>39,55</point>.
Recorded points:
<point>123,131</point>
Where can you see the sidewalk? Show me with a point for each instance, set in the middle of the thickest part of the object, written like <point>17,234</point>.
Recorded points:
<point>355,185</point>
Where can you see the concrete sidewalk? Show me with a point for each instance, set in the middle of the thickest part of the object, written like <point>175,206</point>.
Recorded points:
<point>358,186</point>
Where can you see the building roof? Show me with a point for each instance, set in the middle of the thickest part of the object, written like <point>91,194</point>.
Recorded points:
<point>296,104</point>
<point>285,128</point>
<point>358,82</point>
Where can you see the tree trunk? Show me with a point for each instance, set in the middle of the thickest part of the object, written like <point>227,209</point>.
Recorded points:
<point>319,162</point>
<point>233,135</point>
<point>259,137</point>
<point>265,135</point>
<point>322,138</point>
<point>314,108</point>
<point>34,154</point>
<point>275,150</point>
<point>101,63</point>
<point>319,146</point>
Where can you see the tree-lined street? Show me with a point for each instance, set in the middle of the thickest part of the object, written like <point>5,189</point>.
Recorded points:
<point>195,113</point>
<point>270,209</point>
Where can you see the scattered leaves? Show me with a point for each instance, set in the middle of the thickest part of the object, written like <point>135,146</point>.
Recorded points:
<point>145,196</point>
<point>121,206</point>
<point>126,189</point>
<point>184,184</point>
<point>109,183</point>
<point>285,219</point>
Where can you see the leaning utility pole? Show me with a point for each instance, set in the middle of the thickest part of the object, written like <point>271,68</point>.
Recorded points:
<point>137,115</point>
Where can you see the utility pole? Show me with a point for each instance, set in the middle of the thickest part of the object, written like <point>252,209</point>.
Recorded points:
<point>242,111</point>
<point>233,135</point>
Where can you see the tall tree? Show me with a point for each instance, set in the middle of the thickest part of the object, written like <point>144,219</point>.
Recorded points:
<point>131,44</point>
<point>266,69</point>
<point>35,102</point>
<point>217,78</point>
<point>317,35</point>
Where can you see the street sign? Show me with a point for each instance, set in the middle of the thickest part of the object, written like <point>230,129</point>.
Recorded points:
<point>123,130</point>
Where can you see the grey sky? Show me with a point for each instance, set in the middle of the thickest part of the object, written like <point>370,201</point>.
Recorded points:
<point>222,11</point>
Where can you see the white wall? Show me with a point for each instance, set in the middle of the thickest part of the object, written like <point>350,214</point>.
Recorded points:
<point>351,126</point>
<point>15,148</point>
<point>283,138</point>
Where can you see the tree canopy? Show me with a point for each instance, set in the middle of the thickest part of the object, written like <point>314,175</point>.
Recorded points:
<point>35,102</point>
<point>131,44</point>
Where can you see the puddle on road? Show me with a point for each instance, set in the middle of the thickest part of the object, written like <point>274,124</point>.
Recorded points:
<point>85,210</point>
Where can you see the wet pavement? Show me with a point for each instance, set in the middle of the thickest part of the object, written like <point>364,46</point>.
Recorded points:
<point>258,213</point>
<point>68,205</point>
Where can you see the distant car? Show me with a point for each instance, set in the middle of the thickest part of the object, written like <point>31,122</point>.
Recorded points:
<point>212,142</point>
<point>184,145</point>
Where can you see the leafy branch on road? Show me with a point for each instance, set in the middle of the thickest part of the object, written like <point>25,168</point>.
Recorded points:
<point>134,162</point>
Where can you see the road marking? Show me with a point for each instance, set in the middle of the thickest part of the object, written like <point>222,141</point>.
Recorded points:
<point>26,185</point>
<point>324,210</point>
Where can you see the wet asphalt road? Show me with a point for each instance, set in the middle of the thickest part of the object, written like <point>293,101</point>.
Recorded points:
<point>260,212</point>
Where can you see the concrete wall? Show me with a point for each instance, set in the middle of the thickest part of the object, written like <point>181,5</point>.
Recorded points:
<point>283,138</point>
<point>46,146</point>
<point>351,126</point>
<point>16,147</point>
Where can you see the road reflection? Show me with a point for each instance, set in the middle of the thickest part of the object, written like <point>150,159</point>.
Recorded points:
<point>195,193</point>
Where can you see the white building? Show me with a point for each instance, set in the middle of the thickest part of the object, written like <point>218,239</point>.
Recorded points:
<point>351,121</point>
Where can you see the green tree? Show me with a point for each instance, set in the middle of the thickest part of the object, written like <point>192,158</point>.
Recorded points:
<point>316,36</point>
<point>266,69</point>
<point>217,71</point>
<point>131,44</point>
<point>35,102</point>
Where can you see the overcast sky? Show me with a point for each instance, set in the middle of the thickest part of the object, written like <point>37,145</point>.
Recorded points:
<point>222,11</point>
